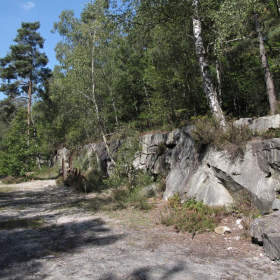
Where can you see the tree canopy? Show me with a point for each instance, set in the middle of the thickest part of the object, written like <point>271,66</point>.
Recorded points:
<point>147,64</point>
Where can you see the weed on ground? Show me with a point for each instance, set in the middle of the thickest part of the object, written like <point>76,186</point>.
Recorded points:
<point>21,223</point>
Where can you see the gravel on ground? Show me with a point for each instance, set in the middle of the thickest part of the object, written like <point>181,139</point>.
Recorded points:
<point>52,232</point>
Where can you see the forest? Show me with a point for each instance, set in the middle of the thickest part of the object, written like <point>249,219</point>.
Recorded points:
<point>143,65</point>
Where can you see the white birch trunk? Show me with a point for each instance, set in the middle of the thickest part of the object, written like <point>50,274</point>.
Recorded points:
<point>208,86</point>
<point>219,81</point>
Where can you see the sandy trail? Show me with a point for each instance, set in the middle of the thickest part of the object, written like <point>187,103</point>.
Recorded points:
<point>51,232</point>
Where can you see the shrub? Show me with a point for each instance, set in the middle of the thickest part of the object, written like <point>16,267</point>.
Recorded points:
<point>94,181</point>
<point>161,148</point>
<point>129,191</point>
<point>137,199</point>
<point>271,133</point>
<point>207,131</point>
<point>13,180</point>
<point>70,180</point>
<point>244,204</point>
<point>127,182</point>
<point>161,184</point>
<point>191,215</point>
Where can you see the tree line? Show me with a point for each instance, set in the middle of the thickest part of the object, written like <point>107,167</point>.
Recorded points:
<point>146,65</point>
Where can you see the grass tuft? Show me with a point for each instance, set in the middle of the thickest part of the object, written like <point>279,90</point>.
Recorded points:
<point>191,215</point>
<point>21,223</point>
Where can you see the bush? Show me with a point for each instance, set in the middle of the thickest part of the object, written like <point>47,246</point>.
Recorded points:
<point>271,133</point>
<point>207,131</point>
<point>161,148</point>
<point>244,205</point>
<point>191,215</point>
<point>13,180</point>
<point>94,181</point>
<point>161,184</point>
<point>129,191</point>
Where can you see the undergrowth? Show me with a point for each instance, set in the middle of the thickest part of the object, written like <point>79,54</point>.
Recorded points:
<point>207,131</point>
<point>14,180</point>
<point>194,215</point>
<point>244,205</point>
<point>191,215</point>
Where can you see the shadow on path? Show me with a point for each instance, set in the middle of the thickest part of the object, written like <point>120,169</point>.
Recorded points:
<point>28,234</point>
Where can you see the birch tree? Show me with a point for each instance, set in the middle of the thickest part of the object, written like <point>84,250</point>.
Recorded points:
<point>234,23</point>
<point>208,86</point>
<point>85,69</point>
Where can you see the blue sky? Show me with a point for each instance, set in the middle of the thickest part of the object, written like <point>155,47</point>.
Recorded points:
<point>14,12</point>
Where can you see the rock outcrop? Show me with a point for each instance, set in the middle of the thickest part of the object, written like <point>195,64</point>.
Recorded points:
<point>211,176</point>
<point>87,155</point>
<point>261,124</point>
<point>266,230</point>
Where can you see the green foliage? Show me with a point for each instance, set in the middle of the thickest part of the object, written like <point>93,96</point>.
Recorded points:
<point>94,181</point>
<point>161,148</point>
<point>13,180</point>
<point>24,63</point>
<point>207,131</point>
<point>126,182</point>
<point>19,153</point>
<point>136,70</point>
<point>271,133</point>
<point>46,173</point>
<point>123,173</point>
<point>191,215</point>
<point>244,205</point>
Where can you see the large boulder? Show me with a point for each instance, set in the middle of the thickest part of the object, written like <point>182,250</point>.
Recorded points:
<point>207,187</point>
<point>257,171</point>
<point>176,182</point>
<point>266,230</point>
<point>162,152</point>
<point>261,124</point>
<point>213,176</point>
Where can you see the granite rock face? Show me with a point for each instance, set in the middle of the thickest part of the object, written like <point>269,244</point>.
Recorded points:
<point>261,124</point>
<point>266,230</point>
<point>85,156</point>
<point>211,176</point>
<point>257,171</point>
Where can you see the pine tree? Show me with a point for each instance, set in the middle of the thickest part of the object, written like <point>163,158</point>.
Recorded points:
<point>23,70</point>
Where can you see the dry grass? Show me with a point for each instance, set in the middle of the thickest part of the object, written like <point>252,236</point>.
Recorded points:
<point>21,223</point>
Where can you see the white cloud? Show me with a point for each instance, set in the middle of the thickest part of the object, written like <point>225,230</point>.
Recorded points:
<point>28,6</point>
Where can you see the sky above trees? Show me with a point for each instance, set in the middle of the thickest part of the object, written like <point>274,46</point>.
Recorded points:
<point>14,12</point>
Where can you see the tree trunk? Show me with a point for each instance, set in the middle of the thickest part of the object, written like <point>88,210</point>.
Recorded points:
<point>99,121</point>
<point>29,108</point>
<point>219,81</point>
<point>208,86</point>
<point>276,2</point>
<point>267,75</point>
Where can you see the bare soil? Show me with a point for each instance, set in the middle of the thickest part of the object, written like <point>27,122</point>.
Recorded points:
<point>52,232</point>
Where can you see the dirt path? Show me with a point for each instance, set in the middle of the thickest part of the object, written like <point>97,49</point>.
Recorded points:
<point>50,232</point>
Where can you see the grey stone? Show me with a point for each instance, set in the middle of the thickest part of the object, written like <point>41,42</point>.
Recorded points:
<point>150,191</point>
<point>176,182</point>
<point>222,229</point>
<point>257,171</point>
<point>206,187</point>
<point>261,124</point>
<point>276,204</point>
<point>266,229</point>
<point>212,176</point>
